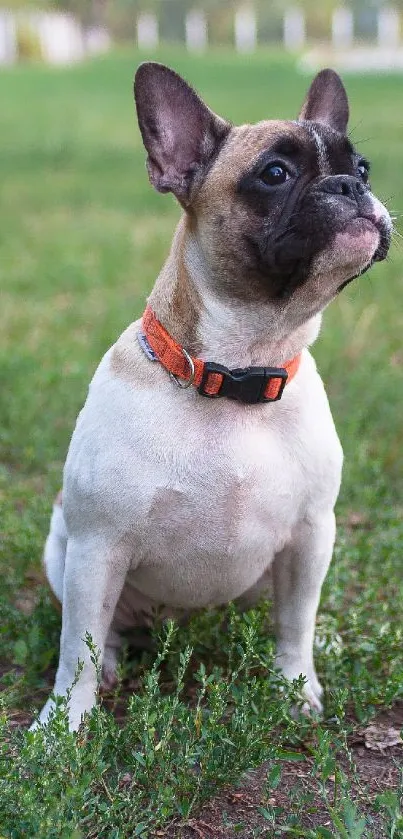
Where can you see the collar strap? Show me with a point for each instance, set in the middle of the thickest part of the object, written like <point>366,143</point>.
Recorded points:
<point>248,384</point>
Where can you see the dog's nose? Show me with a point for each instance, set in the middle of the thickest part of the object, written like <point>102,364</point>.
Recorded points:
<point>346,185</point>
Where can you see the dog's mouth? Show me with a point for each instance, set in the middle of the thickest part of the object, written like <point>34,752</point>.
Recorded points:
<point>371,234</point>
<point>383,228</point>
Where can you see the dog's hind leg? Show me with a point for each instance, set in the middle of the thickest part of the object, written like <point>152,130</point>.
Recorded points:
<point>111,659</point>
<point>54,555</point>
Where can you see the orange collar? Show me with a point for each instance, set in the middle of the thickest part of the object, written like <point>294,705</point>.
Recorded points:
<point>249,384</point>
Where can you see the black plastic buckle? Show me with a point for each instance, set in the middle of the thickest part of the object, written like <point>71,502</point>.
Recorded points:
<point>246,384</point>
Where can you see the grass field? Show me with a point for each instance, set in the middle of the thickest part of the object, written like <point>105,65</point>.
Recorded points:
<point>82,238</point>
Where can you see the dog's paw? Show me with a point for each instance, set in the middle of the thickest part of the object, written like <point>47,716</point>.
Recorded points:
<point>45,715</point>
<point>311,692</point>
<point>311,695</point>
<point>109,668</point>
<point>75,702</point>
<point>75,716</point>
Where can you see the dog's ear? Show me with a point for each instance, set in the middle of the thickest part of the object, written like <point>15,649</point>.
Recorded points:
<point>180,133</point>
<point>326,101</point>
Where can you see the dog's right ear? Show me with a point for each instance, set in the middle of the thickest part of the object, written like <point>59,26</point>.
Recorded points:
<point>180,133</point>
<point>326,101</point>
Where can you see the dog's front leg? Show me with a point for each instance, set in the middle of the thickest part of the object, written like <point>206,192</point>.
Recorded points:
<point>298,573</point>
<point>93,580</point>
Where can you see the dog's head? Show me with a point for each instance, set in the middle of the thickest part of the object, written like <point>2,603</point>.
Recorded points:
<point>281,210</point>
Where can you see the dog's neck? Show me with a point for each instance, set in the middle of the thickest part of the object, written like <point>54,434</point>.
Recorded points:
<point>229,332</point>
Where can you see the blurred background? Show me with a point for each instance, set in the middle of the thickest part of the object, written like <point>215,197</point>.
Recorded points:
<point>59,31</point>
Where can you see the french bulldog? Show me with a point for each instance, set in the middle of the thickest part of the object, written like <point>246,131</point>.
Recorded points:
<point>205,458</point>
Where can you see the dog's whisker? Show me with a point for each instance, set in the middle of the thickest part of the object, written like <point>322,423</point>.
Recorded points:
<point>362,140</point>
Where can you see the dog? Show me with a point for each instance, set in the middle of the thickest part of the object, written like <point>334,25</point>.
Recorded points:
<point>205,458</point>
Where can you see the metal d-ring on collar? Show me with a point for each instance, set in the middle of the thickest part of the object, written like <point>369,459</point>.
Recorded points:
<point>184,383</point>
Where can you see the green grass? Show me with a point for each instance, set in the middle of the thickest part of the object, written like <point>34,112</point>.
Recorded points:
<point>82,238</point>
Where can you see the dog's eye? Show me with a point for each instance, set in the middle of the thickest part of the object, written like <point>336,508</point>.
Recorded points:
<point>363,171</point>
<point>274,174</point>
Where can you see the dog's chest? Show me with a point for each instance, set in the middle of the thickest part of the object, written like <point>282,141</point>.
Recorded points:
<point>206,491</point>
<point>216,520</point>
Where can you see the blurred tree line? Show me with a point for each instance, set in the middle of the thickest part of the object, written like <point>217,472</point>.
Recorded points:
<point>120,15</point>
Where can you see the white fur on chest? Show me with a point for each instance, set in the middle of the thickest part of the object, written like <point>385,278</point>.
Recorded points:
<point>205,491</point>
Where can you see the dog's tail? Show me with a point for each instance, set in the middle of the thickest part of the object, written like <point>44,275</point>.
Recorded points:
<point>54,554</point>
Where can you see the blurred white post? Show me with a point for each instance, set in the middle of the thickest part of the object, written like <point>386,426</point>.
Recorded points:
<point>342,28</point>
<point>147,31</point>
<point>245,29</point>
<point>60,36</point>
<point>388,28</point>
<point>196,31</point>
<point>8,38</point>
<point>294,29</point>
<point>97,40</point>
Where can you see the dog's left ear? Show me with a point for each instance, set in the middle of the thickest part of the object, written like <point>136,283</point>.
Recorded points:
<point>180,133</point>
<point>326,101</point>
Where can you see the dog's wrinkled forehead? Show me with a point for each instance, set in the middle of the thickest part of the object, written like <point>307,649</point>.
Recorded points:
<point>333,151</point>
<point>325,146</point>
